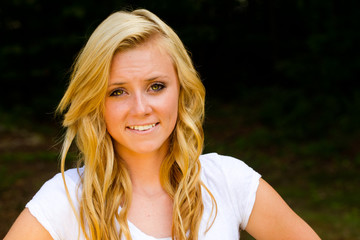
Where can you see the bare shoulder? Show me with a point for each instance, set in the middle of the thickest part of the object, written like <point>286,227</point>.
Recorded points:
<point>27,226</point>
<point>272,218</point>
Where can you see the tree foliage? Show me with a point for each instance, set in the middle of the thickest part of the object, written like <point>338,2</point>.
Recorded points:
<point>237,45</point>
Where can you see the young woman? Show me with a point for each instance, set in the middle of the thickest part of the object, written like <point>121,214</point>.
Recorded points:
<point>135,108</point>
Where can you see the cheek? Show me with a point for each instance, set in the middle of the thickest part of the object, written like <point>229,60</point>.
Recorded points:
<point>107,113</point>
<point>111,115</point>
<point>173,109</point>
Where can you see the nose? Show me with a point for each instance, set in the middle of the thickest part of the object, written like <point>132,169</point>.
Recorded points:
<point>141,105</point>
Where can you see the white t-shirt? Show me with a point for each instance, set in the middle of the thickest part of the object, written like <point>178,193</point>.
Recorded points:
<point>231,181</point>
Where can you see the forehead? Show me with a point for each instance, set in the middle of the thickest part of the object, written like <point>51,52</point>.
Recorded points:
<point>143,61</point>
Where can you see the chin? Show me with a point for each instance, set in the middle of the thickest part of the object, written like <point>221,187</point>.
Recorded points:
<point>147,150</point>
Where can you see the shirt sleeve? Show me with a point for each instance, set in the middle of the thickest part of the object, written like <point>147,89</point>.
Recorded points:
<point>51,207</point>
<point>237,184</point>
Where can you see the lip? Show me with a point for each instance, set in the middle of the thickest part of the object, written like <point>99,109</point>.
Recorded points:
<point>142,128</point>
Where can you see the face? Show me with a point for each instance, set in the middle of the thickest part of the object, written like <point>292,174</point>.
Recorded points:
<point>141,104</point>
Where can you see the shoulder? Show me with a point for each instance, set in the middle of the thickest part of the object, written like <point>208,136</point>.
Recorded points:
<point>56,185</point>
<point>73,175</point>
<point>51,206</point>
<point>215,165</point>
<point>217,159</point>
<point>55,188</point>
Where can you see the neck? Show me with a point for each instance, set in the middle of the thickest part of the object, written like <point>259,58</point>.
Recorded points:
<point>144,169</point>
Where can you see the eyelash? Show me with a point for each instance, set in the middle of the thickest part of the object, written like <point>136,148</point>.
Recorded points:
<point>115,93</point>
<point>119,92</point>
<point>160,87</point>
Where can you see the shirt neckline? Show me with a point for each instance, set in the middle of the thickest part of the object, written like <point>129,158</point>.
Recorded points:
<point>135,230</point>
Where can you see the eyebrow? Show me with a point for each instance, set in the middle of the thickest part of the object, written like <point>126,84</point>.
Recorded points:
<point>147,80</point>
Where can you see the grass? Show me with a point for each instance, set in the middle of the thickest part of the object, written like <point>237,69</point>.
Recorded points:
<point>306,148</point>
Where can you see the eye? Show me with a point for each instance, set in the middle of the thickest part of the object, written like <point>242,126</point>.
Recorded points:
<point>157,87</point>
<point>117,92</point>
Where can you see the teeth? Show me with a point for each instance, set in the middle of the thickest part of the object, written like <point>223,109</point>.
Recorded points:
<point>143,127</point>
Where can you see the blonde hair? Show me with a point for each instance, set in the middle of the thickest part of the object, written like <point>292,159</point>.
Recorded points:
<point>106,184</point>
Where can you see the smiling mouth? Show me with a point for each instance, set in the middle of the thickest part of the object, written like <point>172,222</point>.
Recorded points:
<point>142,127</point>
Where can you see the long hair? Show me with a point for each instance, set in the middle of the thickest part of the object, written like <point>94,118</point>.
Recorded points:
<point>106,183</point>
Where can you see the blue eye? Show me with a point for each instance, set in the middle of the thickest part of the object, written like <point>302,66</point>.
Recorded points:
<point>157,87</point>
<point>117,92</point>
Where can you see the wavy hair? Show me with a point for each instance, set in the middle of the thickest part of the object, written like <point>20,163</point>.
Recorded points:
<point>106,183</point>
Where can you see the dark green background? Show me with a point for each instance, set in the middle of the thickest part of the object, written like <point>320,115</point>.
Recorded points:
<point>237,45</point>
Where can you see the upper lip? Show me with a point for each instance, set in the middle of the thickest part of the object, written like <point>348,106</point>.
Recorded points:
<point>142,127</point>
<point>142,124</point>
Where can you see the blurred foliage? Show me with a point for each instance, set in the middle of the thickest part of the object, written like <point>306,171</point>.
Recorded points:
<point>236,45</point>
